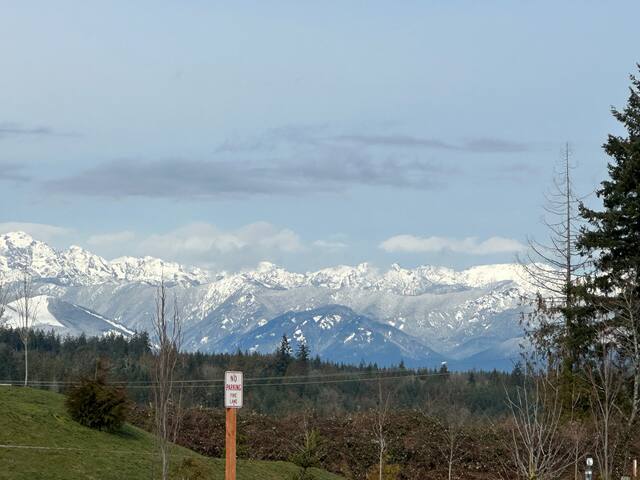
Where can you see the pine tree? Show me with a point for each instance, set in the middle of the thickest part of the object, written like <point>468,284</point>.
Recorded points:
<point>444,371</point>
<point>283,356</point>
<point>611,240</point>
<point>612,237</point>
<point>285,347</point>
<point>302,353</point>
<point>471,379</point>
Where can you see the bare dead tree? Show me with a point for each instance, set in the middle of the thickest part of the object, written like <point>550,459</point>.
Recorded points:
<point>452,422</point>
<point>606,384</point>
<point>4,297</point>
<point>554,267</point>
<point>577,435</point>
<point>537,447</point>
<point>380,427</point>
<point>26,307</point>
<point>168,332</point>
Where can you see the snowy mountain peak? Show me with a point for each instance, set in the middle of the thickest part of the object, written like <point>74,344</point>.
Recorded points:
<point>346,313</point>
<point>153,270</point>
<point>16,240</point>
<point>77,266</point>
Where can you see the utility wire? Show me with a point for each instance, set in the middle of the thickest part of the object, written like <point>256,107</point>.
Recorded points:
<point>260,381</point>
<point>213,381</point>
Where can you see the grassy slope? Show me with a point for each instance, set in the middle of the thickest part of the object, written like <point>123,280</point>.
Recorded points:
<point>36,417</point>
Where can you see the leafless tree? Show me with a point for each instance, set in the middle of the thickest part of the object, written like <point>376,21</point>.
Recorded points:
<point>452,422</point>
<point>578,437</point>
<point>605,380</point>
<point>379,428</point>
<point>576,431</point>
<point>554,267</point>
<point>624,316</point>
<point>168,333</point>
<point>4,297</point>
<point>537,447</point>
<point>26,306</point>
<point>613,375</point>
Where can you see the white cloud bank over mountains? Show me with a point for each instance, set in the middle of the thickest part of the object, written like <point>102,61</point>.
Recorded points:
<point>212,247</point>
<point>41,231</point>
<point>467,246</point>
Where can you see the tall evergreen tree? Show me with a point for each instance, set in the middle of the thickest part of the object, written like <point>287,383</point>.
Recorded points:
<point>283,356</point>
<point>611,240</point>
<point>612,237</point>
<point>302,353</point>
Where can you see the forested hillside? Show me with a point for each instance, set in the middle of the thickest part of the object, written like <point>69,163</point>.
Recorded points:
<point>282,381</point>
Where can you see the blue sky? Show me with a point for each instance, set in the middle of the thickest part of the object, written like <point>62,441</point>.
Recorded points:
<point>304,133</point>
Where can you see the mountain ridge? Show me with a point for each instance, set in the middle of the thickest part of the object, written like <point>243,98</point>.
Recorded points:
<point>454,315</point>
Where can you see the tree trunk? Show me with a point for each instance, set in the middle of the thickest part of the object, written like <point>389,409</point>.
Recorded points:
<point>26,362</point>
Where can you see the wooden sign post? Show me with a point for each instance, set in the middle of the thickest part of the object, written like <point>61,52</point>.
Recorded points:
<point>233,385</point>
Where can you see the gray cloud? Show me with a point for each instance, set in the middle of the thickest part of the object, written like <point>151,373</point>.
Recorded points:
<point>336,170</point>
<point>8,129</point>
<point>291,135</point>
<point>476,145</point>
<point>13,172</point>
<point>320,136</point>
<point>293,160</point>
<point>394,141</point>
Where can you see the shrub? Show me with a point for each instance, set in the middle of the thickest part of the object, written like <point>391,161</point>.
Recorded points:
<point>309,454</point>
<point>192,469</point>
<point>95,404</point>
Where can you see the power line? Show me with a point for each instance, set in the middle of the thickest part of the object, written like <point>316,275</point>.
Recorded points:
<point>260,381</point>
<point>221,380</point>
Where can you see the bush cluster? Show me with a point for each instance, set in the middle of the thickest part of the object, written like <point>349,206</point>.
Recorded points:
<point>95,404</point>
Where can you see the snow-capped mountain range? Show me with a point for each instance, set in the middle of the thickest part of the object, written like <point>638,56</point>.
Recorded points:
<point>357,313</point>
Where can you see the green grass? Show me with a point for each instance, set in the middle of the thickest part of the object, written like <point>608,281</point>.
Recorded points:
<point>38,418</point>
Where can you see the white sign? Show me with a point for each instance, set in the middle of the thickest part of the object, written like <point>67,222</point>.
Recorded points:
<point>233,389</point>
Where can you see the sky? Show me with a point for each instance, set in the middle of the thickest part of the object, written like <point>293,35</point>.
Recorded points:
<point>308,134</point>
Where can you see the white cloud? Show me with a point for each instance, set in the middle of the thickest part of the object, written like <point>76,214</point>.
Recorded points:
<point>332,245</point>
<point>110,239</point>
<point>469,245</point>
<point>40,231</point>
<point>212,247</point>
<point>207,245</point>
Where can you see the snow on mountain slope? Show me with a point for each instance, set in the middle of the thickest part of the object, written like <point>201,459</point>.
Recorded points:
<point>465,314</point>
<point>42,317</point>
<point>336,333</point>
<point>77,266</point>
<point>62,317</point>
<point>153,270</point>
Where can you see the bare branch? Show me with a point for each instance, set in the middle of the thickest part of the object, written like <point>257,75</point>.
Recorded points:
<point>168,333</point>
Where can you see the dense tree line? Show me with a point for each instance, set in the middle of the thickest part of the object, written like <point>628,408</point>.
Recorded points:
<point>284,381</point>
